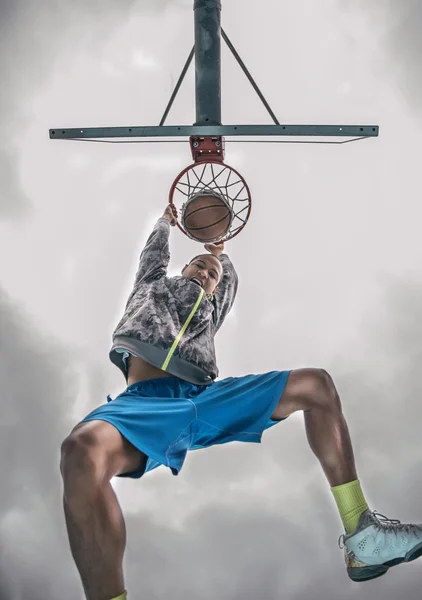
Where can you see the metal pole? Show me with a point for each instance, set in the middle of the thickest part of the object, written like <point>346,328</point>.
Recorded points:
<point>208,61</point>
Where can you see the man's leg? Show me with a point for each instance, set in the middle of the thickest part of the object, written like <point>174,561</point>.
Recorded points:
<point>371,545</point>
<point>93,453</point>
<point>313,391</point>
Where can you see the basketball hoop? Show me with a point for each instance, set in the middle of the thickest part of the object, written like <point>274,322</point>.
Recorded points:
<point>212,178</point>
<point>225,206</point>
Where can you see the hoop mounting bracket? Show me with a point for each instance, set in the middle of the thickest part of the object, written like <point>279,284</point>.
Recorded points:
<point>205,148</point>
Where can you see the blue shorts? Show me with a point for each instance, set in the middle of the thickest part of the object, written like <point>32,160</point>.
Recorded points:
<point>166,417</point>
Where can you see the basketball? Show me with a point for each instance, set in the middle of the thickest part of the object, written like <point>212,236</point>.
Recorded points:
<point>206,217</point>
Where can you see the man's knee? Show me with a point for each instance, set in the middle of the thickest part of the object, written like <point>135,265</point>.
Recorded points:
<point>80,451</point>
<point>308,388</point>
<point>97,449</point>
<point>322,390</point>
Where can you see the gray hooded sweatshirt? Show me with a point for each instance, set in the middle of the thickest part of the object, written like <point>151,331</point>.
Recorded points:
<point>169,321</point>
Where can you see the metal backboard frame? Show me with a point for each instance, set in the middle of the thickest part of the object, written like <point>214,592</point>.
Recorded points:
<point>207,53</point>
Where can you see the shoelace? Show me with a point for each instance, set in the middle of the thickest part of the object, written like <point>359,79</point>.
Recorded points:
<point>385,524</point>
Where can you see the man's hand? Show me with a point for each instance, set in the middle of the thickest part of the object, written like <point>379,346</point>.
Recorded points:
<point>215,249</point>
<point>171,214</point>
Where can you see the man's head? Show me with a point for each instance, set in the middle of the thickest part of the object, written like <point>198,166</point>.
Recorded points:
<point>206,270</point>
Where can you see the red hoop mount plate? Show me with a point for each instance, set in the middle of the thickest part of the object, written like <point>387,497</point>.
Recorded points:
<point>207,148</point>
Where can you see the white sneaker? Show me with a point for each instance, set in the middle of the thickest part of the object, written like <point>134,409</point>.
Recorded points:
<point>378,544</point>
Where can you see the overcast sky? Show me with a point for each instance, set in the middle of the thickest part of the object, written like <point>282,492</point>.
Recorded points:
<point>329,264</point>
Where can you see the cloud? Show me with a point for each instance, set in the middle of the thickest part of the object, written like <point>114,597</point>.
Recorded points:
<point>34,39</point>
<point>397,26</point>
<point>38,391</point>
<point>153,163</point>
<point>241,554</point>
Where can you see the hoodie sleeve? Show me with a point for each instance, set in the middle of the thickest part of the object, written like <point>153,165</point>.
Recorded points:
<point>227,290</point>
<point>155,257</point>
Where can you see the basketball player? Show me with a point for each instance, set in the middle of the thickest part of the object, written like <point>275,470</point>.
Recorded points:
<point>164,345</point>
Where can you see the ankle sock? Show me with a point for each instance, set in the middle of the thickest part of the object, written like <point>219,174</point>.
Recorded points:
<point>351,503</point>
<point>121,597</point>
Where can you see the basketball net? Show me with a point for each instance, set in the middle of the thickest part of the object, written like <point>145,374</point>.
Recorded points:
<point>213,178</point>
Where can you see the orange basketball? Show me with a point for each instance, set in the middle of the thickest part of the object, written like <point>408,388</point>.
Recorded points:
<point>206,217</point>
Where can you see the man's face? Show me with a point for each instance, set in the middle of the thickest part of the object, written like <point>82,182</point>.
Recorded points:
<point>206,271</point>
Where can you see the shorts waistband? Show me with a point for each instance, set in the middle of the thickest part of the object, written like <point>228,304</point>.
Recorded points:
<point>139,384</point>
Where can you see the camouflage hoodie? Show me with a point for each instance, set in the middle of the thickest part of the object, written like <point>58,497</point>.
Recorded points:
<point>169,321</point>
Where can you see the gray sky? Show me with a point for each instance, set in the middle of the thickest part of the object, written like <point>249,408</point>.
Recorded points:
<point>334,238</point>
<point>397,27</point>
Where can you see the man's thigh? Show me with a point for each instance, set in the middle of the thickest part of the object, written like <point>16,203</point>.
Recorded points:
<point>104,442</point>
<point>305,388</point>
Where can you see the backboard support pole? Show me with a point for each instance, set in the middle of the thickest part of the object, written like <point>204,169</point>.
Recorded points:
<point>208,61</point>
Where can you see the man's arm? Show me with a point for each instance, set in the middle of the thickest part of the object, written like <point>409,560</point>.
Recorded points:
<point>227,287</point>
<point>155,256</point>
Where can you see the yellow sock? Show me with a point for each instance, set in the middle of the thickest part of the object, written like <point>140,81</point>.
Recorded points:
<point>350,502</point>
<point>121,597</point>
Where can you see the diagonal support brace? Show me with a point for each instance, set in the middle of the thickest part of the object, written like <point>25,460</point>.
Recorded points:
<point>249,76</point>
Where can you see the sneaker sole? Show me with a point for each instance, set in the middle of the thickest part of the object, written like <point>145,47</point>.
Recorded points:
<point>374,571</point>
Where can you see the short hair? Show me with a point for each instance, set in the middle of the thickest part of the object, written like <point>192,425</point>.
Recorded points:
<point>201,255</point>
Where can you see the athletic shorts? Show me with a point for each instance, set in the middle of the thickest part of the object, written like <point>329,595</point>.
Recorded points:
<point>166,417</point>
